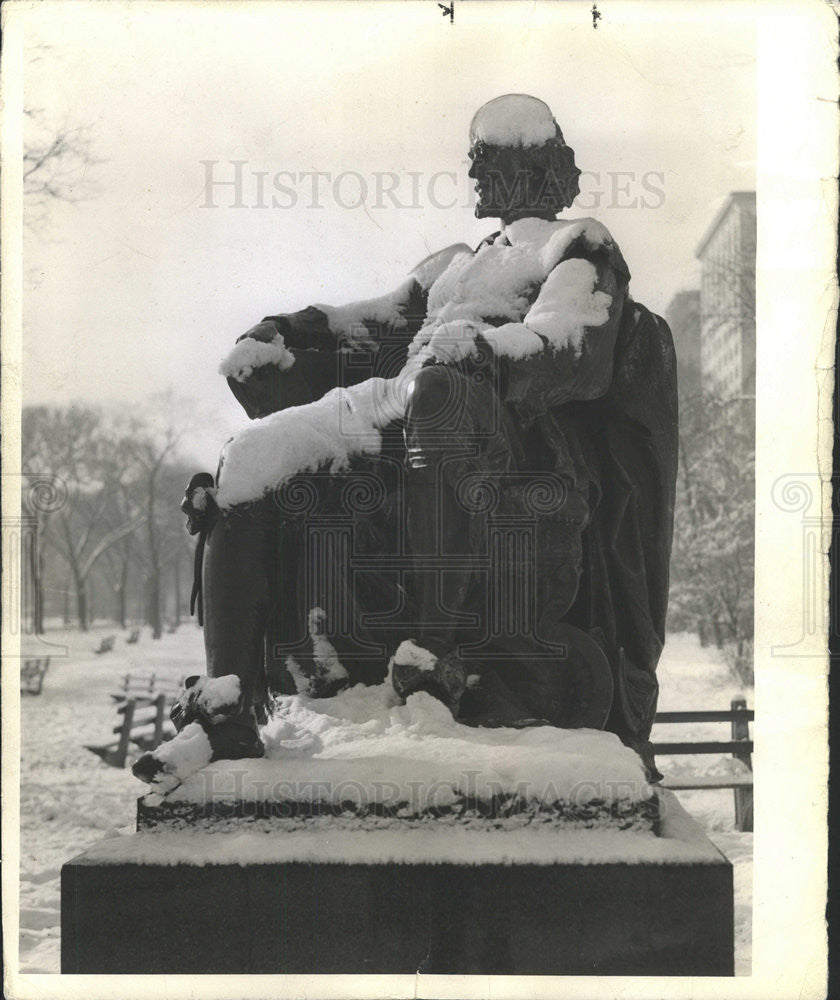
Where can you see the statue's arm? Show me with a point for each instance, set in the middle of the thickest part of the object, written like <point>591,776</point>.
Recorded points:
<point>367,322</point>
<point>290,359</point>
<point>294,358</point>
<point>563,350</point>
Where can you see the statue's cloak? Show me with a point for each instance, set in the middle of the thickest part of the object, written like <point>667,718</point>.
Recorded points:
<point>629,438</point>
<point>607,419</point>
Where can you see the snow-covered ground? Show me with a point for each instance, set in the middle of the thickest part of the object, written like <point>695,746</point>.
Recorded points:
<point>70,799</point>
<point>691,677</point>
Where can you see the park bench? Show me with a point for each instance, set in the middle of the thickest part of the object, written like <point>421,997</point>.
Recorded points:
<point>145,687</point>
<point>144,723</point>
<point>740,746</point>
<point>32,675</point>
<point>134,637</point>
<point>106,644</point>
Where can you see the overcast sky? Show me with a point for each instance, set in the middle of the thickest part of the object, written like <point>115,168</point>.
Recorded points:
<point>147,284</point>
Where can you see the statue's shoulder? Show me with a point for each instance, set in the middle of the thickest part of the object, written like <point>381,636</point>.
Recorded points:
<point>432,267</point>
<point>556,240</point>
<point>584,238</point>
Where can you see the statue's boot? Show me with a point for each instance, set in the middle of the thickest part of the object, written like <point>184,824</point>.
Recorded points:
<point>416,669</point>
<point>215,715</point>
<point>489,703</point>
<point>233,576</point>
<point>207,717</point>
<point>236,595</point>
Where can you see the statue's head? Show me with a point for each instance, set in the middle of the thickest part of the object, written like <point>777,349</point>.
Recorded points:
<point>520,163</point>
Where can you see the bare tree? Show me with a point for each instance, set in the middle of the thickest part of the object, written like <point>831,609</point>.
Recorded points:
<point>122,482</point>
<point>116,568</point>
<point>56,162</point>
<point>151,446</point>
<point>72,443</point>
<point>713,556</point>
<point>124,507</point>
<point>58,156</point>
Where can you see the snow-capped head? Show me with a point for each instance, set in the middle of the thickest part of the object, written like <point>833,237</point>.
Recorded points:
<point>520,161</point>
<point>513,120</point>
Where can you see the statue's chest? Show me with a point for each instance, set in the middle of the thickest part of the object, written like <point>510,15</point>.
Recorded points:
<point>497,283</point>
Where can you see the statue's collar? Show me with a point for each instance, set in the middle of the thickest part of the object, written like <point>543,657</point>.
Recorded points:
<point>489,240</point>
<point>529,229</point>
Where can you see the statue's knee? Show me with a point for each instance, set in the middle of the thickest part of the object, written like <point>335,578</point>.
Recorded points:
<point>436,399</point>
<point>434,416</point>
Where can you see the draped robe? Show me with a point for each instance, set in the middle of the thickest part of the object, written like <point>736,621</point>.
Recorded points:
<point>586,379</point>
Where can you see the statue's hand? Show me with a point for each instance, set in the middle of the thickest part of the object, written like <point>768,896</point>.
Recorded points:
<point>307,365</point>
<point>198,503</point>
<point>265,331</point>
<point>269,388</point>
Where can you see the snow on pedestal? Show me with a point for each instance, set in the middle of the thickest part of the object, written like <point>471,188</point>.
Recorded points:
<point>363,760</point>
<point>680,841</point>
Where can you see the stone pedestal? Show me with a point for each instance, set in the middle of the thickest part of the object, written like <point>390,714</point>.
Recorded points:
<point>530,901</point>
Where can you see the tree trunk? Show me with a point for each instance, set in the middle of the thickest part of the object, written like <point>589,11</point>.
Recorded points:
<point>81,604</point>
<point>36,566</point>
<point>122,597</point>
<point>39,593</point>
<point>154,573</point>
<point>177,582</point>
<point>154,604</point>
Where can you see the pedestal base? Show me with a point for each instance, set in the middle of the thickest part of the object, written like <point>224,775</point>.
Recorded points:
<point>176,903</point>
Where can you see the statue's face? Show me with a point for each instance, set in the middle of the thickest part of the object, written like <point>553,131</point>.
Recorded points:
<point>511,185</point>
<point>502,181</point>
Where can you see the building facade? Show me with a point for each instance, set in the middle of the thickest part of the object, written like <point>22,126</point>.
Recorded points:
<point>683,316</point>
<point>727,299</point>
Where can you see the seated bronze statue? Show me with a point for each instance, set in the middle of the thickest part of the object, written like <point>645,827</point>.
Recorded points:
<point>503,541</point>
